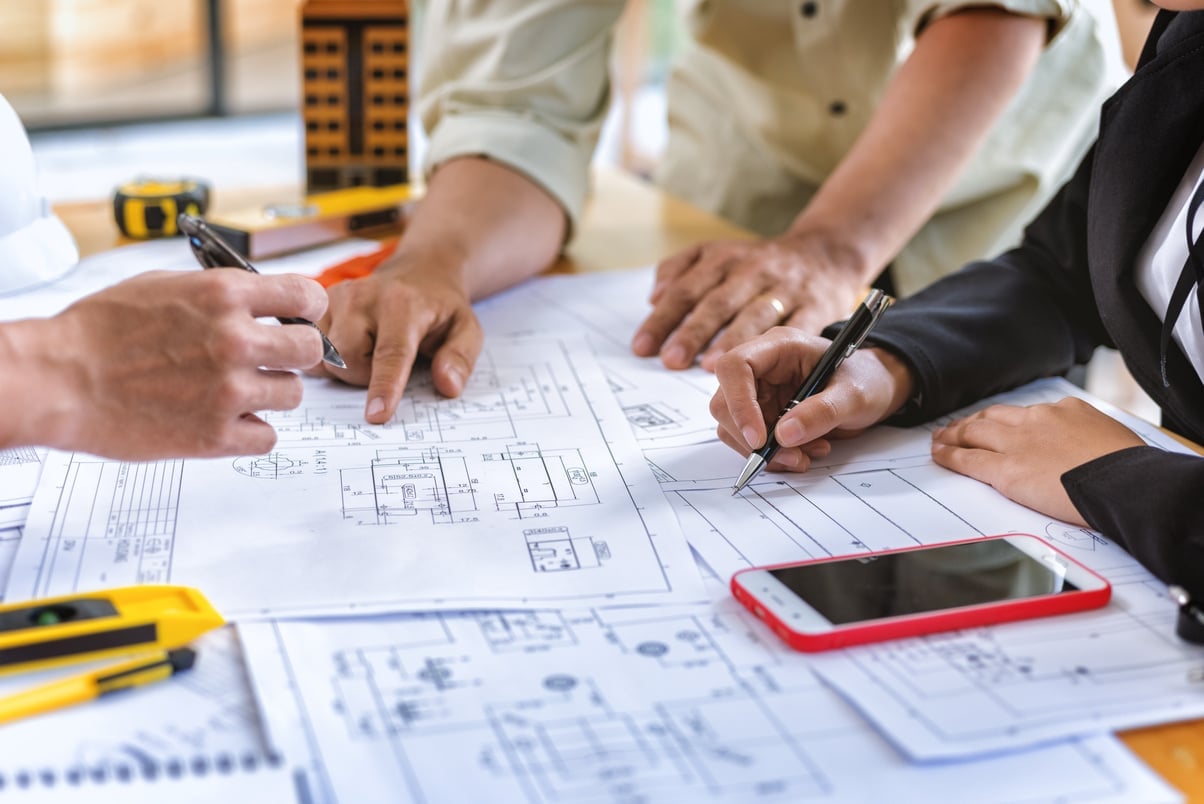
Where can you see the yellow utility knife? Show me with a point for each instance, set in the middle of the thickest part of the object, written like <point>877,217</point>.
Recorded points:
<point>54,631</point>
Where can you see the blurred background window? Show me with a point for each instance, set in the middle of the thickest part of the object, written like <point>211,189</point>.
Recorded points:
<point>78,63</point>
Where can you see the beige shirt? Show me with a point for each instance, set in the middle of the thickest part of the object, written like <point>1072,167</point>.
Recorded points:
<point>767,98</point>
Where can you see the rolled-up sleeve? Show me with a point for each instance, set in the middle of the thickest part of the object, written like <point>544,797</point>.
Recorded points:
<point>925,12</point>
<point>523,82</point>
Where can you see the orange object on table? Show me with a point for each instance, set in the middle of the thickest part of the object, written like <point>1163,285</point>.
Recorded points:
<point>356,267</point>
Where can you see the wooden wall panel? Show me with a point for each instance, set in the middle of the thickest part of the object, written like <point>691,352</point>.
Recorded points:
<point>24,47</point>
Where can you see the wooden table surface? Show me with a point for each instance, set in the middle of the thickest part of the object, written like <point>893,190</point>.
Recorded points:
<point>629,223</point>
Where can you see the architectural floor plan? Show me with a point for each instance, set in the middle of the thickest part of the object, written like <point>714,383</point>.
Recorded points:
<point>1028,682</point>
<point>1025,683</point>
<point>650,704</point>
<point>527,490</point>
<point>664,408</point>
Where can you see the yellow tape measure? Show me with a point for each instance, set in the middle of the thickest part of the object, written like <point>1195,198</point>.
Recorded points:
<point>147,208</point>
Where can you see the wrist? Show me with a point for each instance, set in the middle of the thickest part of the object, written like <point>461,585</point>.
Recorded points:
<point>444,260</point>
<point>832,246</point>
<point>901,382</point>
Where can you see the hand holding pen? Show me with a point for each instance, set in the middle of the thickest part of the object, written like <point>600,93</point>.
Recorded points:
<point>763,381</point>
<point>211,251</point>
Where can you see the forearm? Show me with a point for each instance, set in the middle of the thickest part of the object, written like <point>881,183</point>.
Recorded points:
<point>938,109</point>
<point>33,383</point>
<point>489,225</point>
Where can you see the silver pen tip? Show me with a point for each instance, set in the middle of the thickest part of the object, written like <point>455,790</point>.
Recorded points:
<point>332,357</point>
<point>755,464</point>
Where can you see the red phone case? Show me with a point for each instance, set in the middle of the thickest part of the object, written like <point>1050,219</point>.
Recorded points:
<point>909,625</point>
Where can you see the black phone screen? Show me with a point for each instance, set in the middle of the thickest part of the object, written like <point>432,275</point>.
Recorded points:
<point>918,581</point>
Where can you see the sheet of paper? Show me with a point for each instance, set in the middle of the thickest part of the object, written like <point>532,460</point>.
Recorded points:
<point>196,725</point>
<point>874,492</point>
<point>20,468</point>
<point>1026,683</point>
<point>660,704</point>
<point>881,491</point>
<point>664,408</point>
<point>527,490</point>
<point>982,691</point>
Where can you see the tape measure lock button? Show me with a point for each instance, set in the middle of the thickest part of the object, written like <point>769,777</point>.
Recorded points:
<point>148,208</point>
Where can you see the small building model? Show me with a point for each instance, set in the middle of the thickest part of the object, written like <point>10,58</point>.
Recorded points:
<point>355,99</point>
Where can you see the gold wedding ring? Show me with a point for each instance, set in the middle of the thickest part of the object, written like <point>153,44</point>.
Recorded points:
<point>776,304</point>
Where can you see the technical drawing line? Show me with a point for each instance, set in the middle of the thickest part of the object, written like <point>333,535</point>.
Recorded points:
<point>655,705</point>
<point>120,516</point>
<point>533,473</point>
<point>13,456</point>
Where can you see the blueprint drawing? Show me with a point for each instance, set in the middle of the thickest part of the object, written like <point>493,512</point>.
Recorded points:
<point>1025,683</point>
<point>664,704</point>
<point>880,491</point>
<point>663,407</point>
<point>20,468</point>
<point>527,490</point>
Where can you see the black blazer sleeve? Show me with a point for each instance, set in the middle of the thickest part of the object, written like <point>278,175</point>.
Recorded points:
<point>1148,500</point>
<point>998,324</point>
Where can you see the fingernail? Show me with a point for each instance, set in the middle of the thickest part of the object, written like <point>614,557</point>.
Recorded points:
<point>674,356</point>
<point>751,437</point>
<point>455,374</point>
<point>642,345</point>
<point>375,407</point>
<point>789,433</point>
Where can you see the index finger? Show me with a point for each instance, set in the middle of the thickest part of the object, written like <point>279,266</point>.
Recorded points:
<point>392,360</point>
<point>771,366</point>
<point>737,374</point>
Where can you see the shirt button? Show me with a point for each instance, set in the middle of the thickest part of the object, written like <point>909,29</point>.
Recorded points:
<point>837,108</point>
<point>809,9</point>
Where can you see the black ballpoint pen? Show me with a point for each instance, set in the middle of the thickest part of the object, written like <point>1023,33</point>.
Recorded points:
<point>846,342</point>
<point>213,252</point>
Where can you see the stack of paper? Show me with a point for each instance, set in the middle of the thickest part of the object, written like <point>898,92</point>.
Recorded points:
<point>511,610</point>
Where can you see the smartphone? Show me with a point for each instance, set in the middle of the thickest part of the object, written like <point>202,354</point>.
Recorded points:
<point>851,600</point>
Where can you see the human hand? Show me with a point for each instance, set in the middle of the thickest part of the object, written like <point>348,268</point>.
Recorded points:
<point>174,364</point>
<point>758,379</point>
<point>411,305</point>
<point>1024,451</point>
<point>717,295</point>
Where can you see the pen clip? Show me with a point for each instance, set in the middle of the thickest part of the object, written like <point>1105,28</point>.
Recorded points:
<point>876,303</point>
<point>210,250</point>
